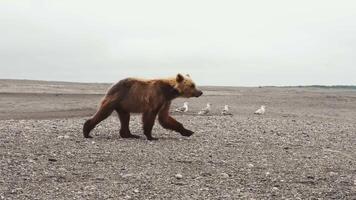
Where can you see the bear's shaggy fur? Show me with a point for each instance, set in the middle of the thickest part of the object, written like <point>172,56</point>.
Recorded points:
<point>150,97</point>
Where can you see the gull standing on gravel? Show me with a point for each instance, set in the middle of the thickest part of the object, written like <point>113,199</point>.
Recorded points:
<point>205,110</point>
<point>184,108</point>
<point>226,111</point>
<point>261,110</point>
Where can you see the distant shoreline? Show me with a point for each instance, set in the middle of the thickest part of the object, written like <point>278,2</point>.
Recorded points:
<point>352,87</point>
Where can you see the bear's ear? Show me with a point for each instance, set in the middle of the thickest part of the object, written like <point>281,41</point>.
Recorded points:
<point>179,78</point>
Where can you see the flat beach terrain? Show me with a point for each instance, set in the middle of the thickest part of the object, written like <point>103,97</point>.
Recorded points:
<point>303,147</point>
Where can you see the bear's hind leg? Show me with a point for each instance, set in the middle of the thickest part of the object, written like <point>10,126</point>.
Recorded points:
<point>104,111</point>
<point>148,119</point>
<point>125,120</point>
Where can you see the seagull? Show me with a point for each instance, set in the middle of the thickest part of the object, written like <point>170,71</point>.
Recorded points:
<point>226,111</point>
<point>205,110</point>
<point>184,108</point>
<point>261,110</point>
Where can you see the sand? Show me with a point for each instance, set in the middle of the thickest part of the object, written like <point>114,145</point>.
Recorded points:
<point>304,147</point>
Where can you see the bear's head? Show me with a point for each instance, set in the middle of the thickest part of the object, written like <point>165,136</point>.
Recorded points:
<point>186,87</point>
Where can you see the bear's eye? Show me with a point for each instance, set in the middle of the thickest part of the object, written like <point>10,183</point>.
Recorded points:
<point>192,86</point>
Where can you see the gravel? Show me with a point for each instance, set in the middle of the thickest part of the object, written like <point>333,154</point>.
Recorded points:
<point>305,152</point>
<point>246,160</point>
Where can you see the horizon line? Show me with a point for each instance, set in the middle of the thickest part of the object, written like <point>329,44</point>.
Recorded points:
<point>84,82</point>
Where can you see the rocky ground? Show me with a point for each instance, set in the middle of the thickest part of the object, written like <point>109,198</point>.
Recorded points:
<point>304,147</point>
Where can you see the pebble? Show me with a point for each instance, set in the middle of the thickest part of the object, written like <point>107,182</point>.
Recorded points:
<point>205,174</point>
<point>226,196</point>
<point>224,175</point>
<point>126,175</point>
<point>332,173</point>
<point>136,191</point>
<point>63,136</point>
<point>100,178</point>
<point>250,165</point>
<point>179,176</point>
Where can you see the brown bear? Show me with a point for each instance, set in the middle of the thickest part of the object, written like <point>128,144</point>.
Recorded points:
<point>150,97</point>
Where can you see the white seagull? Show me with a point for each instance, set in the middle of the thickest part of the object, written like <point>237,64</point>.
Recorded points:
<point>226,111</point>
<point>205,110</point>
<point>184,108</point>
<point>261,110</point>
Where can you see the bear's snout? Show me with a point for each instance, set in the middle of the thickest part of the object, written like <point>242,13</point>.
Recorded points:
<point>198,93</point>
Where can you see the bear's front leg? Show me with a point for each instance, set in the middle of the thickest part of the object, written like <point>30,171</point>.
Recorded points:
<point>169,122</point>
<point>148,120</point>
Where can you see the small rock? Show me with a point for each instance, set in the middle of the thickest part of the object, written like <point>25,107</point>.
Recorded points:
<point>52,159</point>
<point>136,191</point>
<point>332,173</point>
<point>205,174</point>
<point>226,196</point>
<point>126,175</point>
<point>127,197</point>
<point>275,188</point>
<point>93,142</point>
<point>89,187</point>
<point>100,178</point>
<point>310,177</point>
<point>250,165</point>
<point>177,183</point>
<point>268,173</point>
<point>204,189</point>
<point>66,137</point>
<point>179,176</point>
<point>62,169</point>
<point>224,175</point>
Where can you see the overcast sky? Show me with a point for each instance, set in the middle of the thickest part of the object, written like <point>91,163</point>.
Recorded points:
<point>242,43</point>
